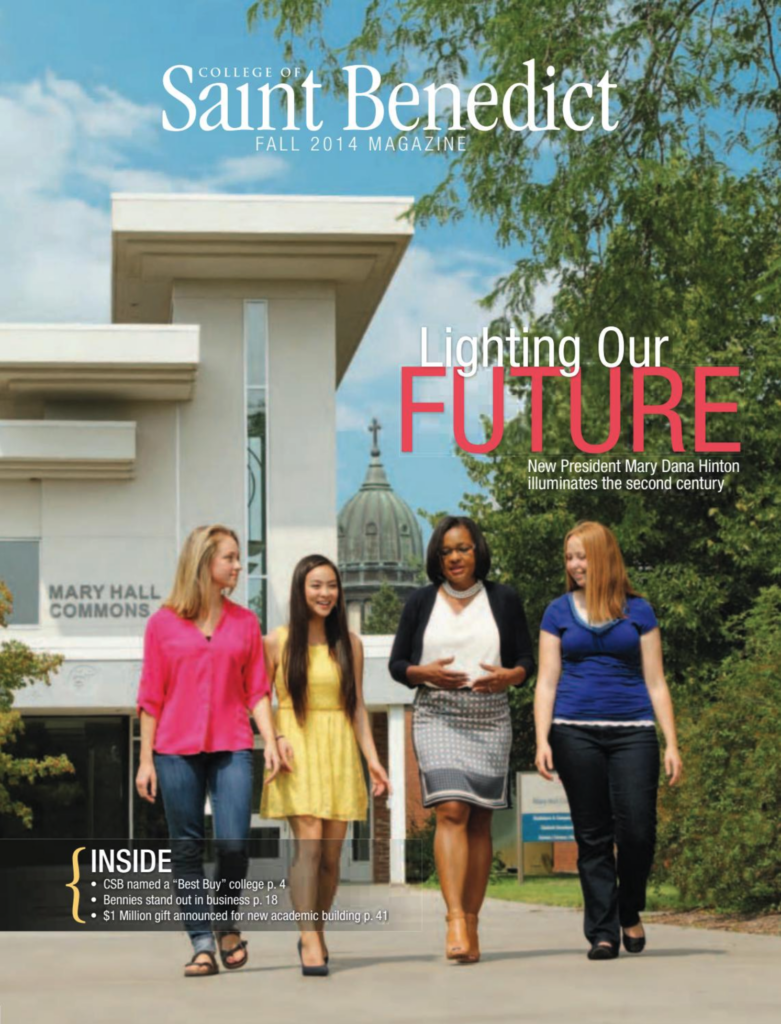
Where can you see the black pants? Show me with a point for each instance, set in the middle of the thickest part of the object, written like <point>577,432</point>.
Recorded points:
<point>611,775</point>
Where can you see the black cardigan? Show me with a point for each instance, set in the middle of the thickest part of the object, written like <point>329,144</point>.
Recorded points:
<point>514,639</point>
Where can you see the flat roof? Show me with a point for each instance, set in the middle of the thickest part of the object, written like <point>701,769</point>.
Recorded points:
<point>354,242</point>
<point>86,361</point>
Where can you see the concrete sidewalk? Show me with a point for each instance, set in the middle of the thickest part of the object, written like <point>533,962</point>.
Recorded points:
<point>534,968</point>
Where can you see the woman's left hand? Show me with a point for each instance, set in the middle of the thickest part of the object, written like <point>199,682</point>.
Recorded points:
<point>673,765</point>
<point>286,754</point>
<point>497,680</point>
<point>272,762</point>
<point>380,781</point>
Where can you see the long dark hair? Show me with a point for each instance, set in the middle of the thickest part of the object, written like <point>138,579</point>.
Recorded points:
<point>295,661</point>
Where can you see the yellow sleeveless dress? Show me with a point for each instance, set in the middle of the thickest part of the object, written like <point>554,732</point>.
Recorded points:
<point>327,780</point>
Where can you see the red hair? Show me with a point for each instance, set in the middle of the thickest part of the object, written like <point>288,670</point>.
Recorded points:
<point>607,584</point>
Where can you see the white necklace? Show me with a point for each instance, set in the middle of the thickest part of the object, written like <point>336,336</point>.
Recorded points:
<point>462,595</point>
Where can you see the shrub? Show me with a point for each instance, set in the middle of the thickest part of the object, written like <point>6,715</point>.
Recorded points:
<point>419,850</point>
<point>19,667</point>
<point>720,830</point>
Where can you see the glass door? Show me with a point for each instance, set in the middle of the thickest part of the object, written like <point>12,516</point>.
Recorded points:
<point>270,846</point>
<point>356,864</point>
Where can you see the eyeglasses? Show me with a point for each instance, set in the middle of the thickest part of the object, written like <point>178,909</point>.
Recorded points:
<point>462,549</point>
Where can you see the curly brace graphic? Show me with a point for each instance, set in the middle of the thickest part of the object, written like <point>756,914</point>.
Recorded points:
<point>75,885</point>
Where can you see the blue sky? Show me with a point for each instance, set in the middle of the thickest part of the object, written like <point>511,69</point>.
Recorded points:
<point>80,107</point>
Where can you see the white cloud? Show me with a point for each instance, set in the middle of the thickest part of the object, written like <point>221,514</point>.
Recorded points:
<point>430,290</point>
<point>245,170</point>
<point>60,141</point>
<point>435,290</point>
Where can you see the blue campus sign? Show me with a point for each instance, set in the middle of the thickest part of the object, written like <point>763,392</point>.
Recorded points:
<point>547,828</point>
<point>545,816</point>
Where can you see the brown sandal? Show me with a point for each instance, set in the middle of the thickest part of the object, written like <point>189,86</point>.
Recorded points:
<point>211,968</point>
<point>457,945</point>
<point>225,953</point>
<point>474,942</point>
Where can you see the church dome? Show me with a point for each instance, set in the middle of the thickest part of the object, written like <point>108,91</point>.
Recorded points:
<point>377,528</point>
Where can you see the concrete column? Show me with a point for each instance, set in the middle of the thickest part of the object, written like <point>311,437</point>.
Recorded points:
<point>398,803</point>
<point>354,616</point>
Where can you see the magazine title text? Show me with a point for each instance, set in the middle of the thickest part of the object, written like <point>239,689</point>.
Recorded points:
<point>525,106</point>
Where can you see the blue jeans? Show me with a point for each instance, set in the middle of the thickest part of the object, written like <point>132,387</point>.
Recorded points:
<point>184,781</point>
<point>610,775</point>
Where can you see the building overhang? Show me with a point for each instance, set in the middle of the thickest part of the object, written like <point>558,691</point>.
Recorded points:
<point>124,362</point>
<point>66,450</point>
<point>101,672</point>
<point>354,243</point>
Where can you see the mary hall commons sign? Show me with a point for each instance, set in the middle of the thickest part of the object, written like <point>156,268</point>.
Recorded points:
<point>102,600</point>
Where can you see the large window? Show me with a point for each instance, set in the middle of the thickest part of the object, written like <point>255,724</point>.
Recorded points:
<point>362,830</point>
<point>20,571</point>
<point>148,819</point>
<point>255,366</point>
<point>89,803</point>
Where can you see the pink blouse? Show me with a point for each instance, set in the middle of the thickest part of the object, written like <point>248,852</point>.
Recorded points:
<point>200,690</point>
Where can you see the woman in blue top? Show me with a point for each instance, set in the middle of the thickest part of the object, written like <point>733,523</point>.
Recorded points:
<point>600,684</point>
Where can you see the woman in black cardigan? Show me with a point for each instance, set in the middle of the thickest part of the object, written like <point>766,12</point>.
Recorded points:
<point>462,642</point>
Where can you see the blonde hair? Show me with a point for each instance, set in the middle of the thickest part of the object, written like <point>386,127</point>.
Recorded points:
<point>192,582</point>
<point>607,584</point>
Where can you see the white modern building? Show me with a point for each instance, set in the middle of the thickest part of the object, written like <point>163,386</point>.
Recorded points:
<point>211,397</point>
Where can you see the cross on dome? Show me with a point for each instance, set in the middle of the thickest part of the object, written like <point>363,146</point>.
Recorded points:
<point>374,429</point>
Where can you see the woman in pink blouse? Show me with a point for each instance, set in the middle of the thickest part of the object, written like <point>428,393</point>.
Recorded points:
<point>203,674</point>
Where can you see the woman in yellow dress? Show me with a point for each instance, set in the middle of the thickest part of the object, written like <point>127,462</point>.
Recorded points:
<point>321,721</point>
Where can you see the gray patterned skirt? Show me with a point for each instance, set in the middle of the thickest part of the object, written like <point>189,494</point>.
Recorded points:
<point>462,742</point>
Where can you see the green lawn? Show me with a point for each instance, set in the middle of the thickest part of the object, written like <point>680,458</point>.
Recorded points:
<point>564,891</point>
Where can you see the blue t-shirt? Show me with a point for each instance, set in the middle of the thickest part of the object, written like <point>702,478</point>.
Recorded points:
<point>601,668</point>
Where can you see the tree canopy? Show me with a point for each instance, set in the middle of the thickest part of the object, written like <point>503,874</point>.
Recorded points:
<point>700,77</point>
<point>669,225</point>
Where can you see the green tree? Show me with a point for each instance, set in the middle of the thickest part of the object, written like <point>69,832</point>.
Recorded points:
<point>646,227</point>
<point>668,225</point>
<point>722,830</point>
<point>19,666</point>
<point>681,67</point>
<point>383,618</point>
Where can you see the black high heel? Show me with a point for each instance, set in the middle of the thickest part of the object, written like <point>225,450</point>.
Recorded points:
<point>320,971</point>
<point>633,944</point>
<point>598,952</point>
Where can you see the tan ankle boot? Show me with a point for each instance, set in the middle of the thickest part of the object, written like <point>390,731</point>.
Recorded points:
<point>457,944</point>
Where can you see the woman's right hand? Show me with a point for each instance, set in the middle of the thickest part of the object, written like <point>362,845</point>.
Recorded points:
<point>543,762</point>
<point>146,781</point>
<point>437,674</point>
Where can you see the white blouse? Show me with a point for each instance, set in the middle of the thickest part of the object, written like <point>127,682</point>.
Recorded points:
<point>470,637</point>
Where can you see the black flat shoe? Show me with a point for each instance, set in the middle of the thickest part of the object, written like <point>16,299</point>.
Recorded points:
<point>632,944</point>
<point>598,952</point>
<point>320,971</point>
